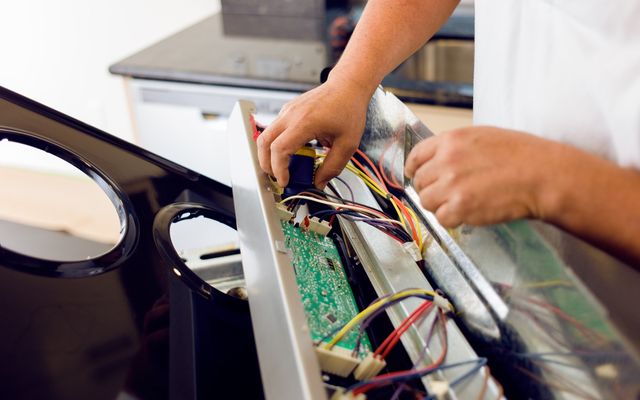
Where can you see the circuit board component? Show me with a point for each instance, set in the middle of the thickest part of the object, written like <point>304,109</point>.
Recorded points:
<point>326,295</point>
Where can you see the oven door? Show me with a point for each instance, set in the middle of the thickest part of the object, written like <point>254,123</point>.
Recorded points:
<point>134,320</point>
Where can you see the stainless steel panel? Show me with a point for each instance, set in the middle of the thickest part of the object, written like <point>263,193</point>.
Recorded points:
<point>391,269</point>
<point>506,263</point>
<point>288,362</point>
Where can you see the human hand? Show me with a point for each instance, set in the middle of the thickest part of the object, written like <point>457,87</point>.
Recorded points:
<point>333,113</point>
<point>482,175</point>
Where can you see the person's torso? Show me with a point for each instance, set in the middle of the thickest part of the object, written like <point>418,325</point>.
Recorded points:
<point>567,70</point>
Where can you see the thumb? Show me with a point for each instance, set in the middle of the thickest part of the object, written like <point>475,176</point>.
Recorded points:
<point>334,162</point>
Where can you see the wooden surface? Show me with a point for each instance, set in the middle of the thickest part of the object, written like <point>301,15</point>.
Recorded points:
<point>441,119</point>
<point>58,202</point>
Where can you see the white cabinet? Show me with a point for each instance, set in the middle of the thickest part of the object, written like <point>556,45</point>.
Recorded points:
<point>186,123</point>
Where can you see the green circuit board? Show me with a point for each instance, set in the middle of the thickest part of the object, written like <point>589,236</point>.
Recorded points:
<point>326,295</point>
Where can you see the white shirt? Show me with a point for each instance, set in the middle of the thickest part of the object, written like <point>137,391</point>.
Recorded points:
<point>567,70</point>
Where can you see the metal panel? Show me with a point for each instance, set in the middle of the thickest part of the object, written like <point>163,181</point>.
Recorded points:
<point>288,362</point>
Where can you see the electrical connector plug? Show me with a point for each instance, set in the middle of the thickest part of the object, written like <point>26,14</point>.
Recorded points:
<point>369,367</point>
<point>283,213</point>
<point>314,224</point>
<point>274,188</point>
<point>341,395</point>
<point>439,389</point>
<point>302,168</point>
<point>442,302</point>
<point>337,360</point>
<point>413,250</point>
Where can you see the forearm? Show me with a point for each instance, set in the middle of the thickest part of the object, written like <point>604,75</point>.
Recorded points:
<point>596,200</point>
<point>387,34</point>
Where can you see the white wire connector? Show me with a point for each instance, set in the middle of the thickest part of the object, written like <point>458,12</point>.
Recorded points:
<point>314,224</point>
<point>341,395</point>
<point>439,389</point>
<point>283,213</point>
<point>274,187</point>
<point>338,360</point>
<point>413,250</point>
<point>369,367</point>
<point>442,302</point>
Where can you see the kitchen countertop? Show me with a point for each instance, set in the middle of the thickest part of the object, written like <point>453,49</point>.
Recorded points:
<point>190,56</point>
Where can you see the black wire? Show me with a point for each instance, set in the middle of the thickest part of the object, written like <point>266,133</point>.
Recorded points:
<point>353,198</point>
<point>355,203</point>
<point>391,229</point>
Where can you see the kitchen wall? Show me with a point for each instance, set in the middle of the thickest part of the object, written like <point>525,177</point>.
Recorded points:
<point>58,52</point>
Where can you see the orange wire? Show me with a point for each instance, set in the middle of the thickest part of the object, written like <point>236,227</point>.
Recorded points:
<point>402,207</point>
<point>359,165</point>
<point>373,168</point>
<point>393,177</point>
<point>393,181</point>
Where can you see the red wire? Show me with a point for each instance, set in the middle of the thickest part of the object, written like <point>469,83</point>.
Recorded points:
<point>395,331</point>
<point>435,364</point>
<point>588,332</point>
<point>402,207</point>
<point>579,325</point>
<point>363,169</point>
<point>393,338</point>
<point>400,333</point>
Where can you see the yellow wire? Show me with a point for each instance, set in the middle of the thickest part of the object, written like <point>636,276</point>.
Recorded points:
<point>371,309</point>
<point>373,185</point>
<point>416,222</point>
<point>370,183</point>
<point>544,284</point>
<point>401,216</point>
<point>378,189</point>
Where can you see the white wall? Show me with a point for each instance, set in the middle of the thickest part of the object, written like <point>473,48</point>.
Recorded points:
<point>57,51</point>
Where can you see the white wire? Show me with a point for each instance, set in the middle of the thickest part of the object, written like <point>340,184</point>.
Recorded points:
<point>347,206</point>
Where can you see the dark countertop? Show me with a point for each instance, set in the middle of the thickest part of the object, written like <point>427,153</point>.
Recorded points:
<point>199,54</point>
<point>190,56</point>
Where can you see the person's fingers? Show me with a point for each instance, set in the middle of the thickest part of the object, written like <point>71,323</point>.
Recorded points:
<point>449,216</point>
<point>425,175</point>
<point>284,108</point>
<point>433,196</point>
<point>335,161</point>
<point>264,144</point>
<point>420,154</point>
<point>285,145</point>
